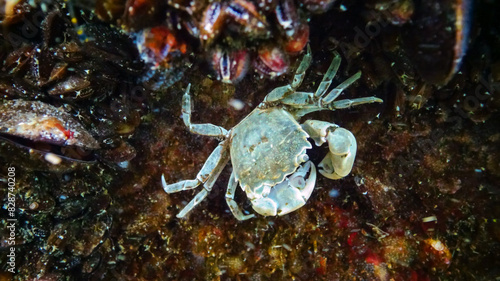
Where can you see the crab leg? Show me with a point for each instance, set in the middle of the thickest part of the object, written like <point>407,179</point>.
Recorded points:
<point>328,100</point>
<point>207,187</point>
<point>207,175</point>
<point>303,103</point>
<point>335,93</point>
<point>179,186</point>
<point>200,129</point>
<point>301,70</point>
<point>283,91</point>
<point>233,206</point>
<point>354,102</point>
<point>299,100</point>
<point>328,77</point>
<point>218,157</point>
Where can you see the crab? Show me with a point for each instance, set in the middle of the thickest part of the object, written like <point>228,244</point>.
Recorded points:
<point>268,147</point>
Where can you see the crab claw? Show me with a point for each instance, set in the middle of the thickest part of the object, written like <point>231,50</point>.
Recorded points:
<point>338,163</point>
<point>289,195</point>
<point>265,206</point>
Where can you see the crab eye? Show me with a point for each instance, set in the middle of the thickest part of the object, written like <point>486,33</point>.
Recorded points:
<point>303,158</point>
<point>298,182</point>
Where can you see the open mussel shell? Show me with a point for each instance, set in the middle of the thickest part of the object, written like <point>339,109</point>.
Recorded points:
<point>44,134</point>
<point>47,158</point>
<point>437,38</point>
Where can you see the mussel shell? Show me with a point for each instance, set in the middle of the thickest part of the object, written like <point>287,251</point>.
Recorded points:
<point>437,38</point>
<point>35,160</point>
<point>41,122</point>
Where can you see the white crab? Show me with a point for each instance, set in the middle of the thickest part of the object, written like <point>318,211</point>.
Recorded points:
<point>268,147</point>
